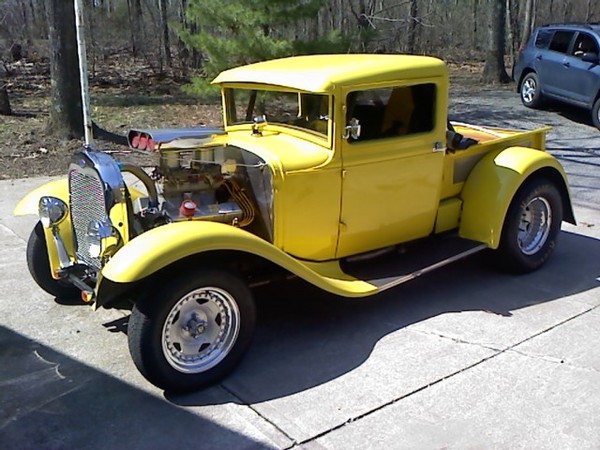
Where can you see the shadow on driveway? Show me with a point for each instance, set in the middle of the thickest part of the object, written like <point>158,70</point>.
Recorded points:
<point>306,337</point>
<point>51,401</point>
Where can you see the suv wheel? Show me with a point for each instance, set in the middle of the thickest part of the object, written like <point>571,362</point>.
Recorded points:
<point>596,113</point>
<point>530,91</point>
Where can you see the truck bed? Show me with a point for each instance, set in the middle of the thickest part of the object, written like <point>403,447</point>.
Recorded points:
<point>460,162</point>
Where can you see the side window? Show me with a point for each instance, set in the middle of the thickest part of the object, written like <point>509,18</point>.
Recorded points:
<point>392,111</point>
<point>543,38</point>
<point>561,40</point>
<point>584,43</point>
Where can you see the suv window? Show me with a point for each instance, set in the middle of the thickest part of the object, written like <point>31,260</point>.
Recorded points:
<point>543,38</point>
<point>393,111</point>
<point>584,43</point>
<point>561,40</point>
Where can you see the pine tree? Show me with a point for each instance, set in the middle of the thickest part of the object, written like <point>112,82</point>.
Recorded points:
<point>235,32</point>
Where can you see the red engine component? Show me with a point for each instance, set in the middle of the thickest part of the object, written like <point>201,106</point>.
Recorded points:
<point>187,208</point>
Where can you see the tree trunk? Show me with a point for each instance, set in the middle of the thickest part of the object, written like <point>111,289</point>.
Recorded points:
<point>588,10</point>
<point>527,22</point>
<point>66,112</point>
<point>165,27</point>
<point>476,39</point>
<point>494,69</point>
<point>5,108</point>
<point>413,26</point>
<point>134,9</point>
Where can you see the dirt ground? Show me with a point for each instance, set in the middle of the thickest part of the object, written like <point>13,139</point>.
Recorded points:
<point>120,100</point>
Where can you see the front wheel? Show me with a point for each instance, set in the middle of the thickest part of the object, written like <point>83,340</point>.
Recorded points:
<point>193,331</point>
<point>39,267</point>
<point>531,227</point>
<point>531,95</point>
<point>596,113</point>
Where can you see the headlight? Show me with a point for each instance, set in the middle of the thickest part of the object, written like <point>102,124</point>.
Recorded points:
<point>101,236</point>
<point>52,211</point>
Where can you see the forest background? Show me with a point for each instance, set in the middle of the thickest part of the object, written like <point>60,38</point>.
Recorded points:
<point>150,61</point>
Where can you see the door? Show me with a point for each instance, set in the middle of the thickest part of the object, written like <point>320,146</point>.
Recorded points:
<point>583,77</point>
<point>392,172</point>
<point>554,65</point>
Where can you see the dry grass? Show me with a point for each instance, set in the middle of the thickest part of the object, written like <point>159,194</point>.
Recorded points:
<point>27,148</point>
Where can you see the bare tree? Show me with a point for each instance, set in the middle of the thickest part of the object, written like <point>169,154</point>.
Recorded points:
<point>527,21</point>
<point>165,28</point>
<point>588,10</point>
<point>494,69</point>
<point>413,26</point>
<point>134,10</point>
<point>5,108</point>
<point>66,114</point>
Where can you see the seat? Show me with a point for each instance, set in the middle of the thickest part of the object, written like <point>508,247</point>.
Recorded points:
<point>398,112</point>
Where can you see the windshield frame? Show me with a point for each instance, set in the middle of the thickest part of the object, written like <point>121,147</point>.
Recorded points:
<point>305,112</point>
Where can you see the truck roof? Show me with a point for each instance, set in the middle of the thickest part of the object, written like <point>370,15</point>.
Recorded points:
<point>323,73</point>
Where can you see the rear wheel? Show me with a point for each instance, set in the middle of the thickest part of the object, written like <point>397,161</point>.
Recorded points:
<point>193,331</point>
<point>531,227</point>
<point>39,267</point>
<point>596,113</point>
<point>531,95</point>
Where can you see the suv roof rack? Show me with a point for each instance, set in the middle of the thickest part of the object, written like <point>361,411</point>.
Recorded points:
<point>588,25</point>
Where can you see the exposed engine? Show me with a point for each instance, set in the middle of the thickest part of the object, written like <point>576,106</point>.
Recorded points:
<point>221,184</point>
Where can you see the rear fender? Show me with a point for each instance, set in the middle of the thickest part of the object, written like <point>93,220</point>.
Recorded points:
<point>494,181</point>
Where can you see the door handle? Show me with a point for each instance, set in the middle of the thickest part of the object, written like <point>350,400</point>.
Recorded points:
<point>538,57</point>
<point>439,147</point>
<point>567,64</point>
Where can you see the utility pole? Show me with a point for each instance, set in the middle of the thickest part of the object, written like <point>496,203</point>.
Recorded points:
<point>83,73</point>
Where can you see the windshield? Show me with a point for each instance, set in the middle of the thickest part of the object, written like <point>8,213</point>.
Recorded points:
<point>302,110</point>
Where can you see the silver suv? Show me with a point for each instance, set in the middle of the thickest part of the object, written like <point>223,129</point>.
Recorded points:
<point>561,62</point>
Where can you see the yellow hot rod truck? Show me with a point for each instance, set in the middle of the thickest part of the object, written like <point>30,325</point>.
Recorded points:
<point>342,170</point>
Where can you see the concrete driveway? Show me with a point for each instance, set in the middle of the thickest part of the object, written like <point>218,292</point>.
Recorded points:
<point>465,357</point>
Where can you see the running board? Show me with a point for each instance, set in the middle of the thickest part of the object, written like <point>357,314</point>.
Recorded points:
<point>411,262</point>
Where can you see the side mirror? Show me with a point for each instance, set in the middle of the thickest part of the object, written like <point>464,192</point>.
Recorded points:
<point>590,57</point>
<point>352,130</point>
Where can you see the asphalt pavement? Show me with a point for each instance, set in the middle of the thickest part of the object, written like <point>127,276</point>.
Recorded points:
<point>465,357</point>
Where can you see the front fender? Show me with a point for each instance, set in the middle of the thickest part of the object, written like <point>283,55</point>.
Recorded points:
<point>165,245</point>
<point>493,183</point>
<point>29,204</point>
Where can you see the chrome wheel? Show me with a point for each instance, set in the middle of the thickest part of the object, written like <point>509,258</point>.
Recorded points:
<point>193,330</point>
<point>534,227</point>
<point>200,330</point>
<point>528,90</point>
<point>531,226</point>
<point>531,91</point>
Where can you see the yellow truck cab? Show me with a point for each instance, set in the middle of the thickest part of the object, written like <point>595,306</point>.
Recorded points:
<point>340,169</point>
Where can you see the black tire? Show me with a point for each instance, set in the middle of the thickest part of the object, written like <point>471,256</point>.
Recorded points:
<point>39,267</point>
<point>530,90</point>
<point>596,113</point>
<point>531,227</point>
<point>211,312</point>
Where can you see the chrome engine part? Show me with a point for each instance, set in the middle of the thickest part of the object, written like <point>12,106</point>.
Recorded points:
<point>201,185</point>
<point>222,184</point>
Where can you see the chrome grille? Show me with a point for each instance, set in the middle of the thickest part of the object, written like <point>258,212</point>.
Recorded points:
<point>87,201</point>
